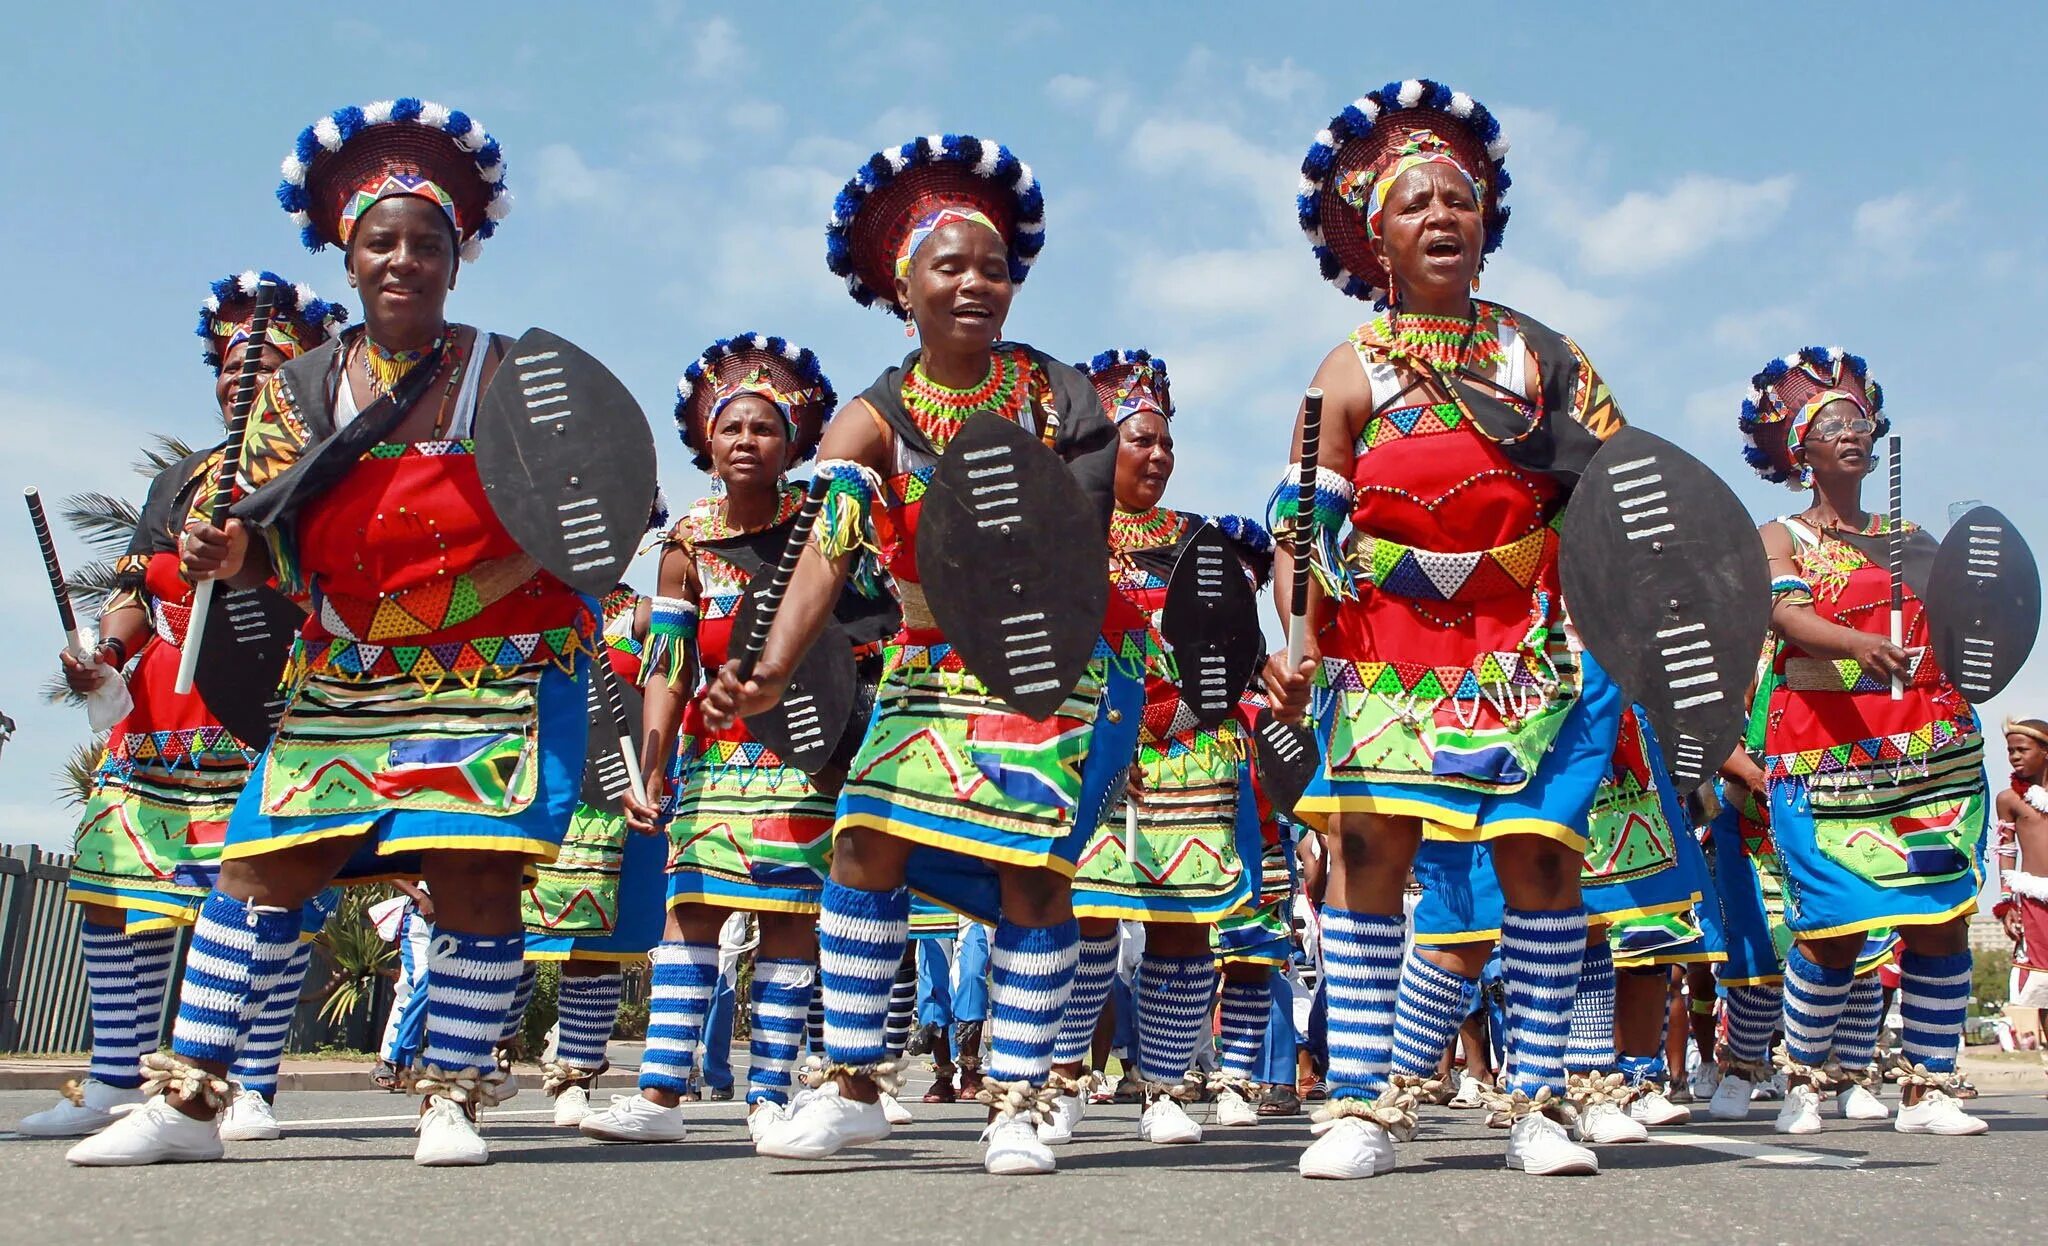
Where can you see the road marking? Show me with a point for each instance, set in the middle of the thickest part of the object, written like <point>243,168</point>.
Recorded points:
<point>1757,1150</point>
<point>489,1115</point>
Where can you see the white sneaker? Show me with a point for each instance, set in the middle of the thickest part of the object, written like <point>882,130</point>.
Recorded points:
<point>634,1118</point>
<point>1540,1146</point>
<point>1166,1122</point>
<point>895,1112</point>
<point>155,1133</point>
<point>1706,1079</point>
<point>1731,1098</point>
<point>1654,1108</point>
<point>448,1138</point>
<point>1936,1113</point>
<point>1858,1104</point>
<point>1801,1113</point>
<point>1772,1090</point>
<point>1605,1124</point>
<point>1014,1149</point>
<point>1233,1112</point>
<point>1067,1111</point>
<point>94,1112</point>
<point>822,1125</point>
<point>764,1113</point>
<point>571,1106</point>
<point>1347,1149</point>
<point>1471,1092</point>
<point>249,1119</point>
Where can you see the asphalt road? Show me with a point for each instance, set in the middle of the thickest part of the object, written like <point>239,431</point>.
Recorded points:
<point>343,1172</point>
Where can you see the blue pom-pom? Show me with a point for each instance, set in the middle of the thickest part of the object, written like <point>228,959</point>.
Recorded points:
<point>489,154</point>
<point>306,146</point>
<point>1316,164</point>
<point>350,121</point>
<point>407,109</point>
<point>457,125</point>
<point>1350,123</point>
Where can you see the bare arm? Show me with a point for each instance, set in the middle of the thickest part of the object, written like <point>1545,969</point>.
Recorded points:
<point>662,709</point>
<point>853,435</point>
<point>1797,621</point>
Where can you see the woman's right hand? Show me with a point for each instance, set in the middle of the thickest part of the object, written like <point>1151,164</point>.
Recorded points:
<point>727,700</point>
<point>1879,655</point>
<point>1288,690</point>
<point>82,676</point>
<point>641,815</point>
<point>210,553</point>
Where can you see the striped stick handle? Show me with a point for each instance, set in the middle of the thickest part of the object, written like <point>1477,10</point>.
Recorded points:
<point>1305,508</point>
<point>770,602</point>
<point>224,494</point>
<point>628,752</point>
<point>1896,553</point>
<point>58,589</point>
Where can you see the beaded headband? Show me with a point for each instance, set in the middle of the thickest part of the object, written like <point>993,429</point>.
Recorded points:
<point>299,320</point>
<point>1786,395</point>
<point>774,368</point>
<point>353,157</point>
<point>1130,382</point>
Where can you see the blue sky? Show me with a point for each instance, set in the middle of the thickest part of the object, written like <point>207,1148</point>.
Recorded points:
<point>1697,189</point>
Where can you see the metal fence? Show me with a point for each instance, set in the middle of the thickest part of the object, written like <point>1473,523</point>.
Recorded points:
<point>42,973</point>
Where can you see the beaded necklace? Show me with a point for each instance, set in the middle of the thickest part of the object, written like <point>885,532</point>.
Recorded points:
<point>940,410</point>
<point>1445,343</point>
<point>384,369</point>
<point>1151,528</point>
<point>710,522</point>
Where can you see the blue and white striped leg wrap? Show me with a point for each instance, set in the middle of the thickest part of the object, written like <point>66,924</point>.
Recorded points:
<point>1247,1008</point>
<point>1540,955</point>
<point>1642,1070</point>
<point>263,1048</point>
<point>902,1004</point>
<point>1591,1046</point>
<point>1093,973</point>
<point>1361,978</point>
<point>1814,995</point>
<point>861,937</point>
<point>587,1009</point>
<point>814,1019</point>
<point>470,983</point>
<point>522,995</point>
<point>678,1001</point>
<point>1752,1015</point>
<point>1862,1021</point>
<point>1173,1013</point>
<point>1031,975</point>
<point>1431,1006</point>
<point>237,951</point>
<point>125,1009</point>
<point>781,995</point>
<point>1934,993</point>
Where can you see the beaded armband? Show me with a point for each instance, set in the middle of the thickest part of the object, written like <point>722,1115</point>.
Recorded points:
<point>671,643</point>
<point>846,522</point>
<point>1332,506</point>
<point>1791,588</point>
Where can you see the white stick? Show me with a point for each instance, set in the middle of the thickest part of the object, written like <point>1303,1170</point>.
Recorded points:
<point>195,631</point>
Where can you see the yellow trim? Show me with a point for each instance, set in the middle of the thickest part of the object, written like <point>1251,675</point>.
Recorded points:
<point>1964,909</point>
<point>1489,831</point>
<point>1145,915</point>
<point>73,894</point>
<point>541,850</point>
<point>155,923</point>
<point>1265,962</point>
<point>1609,918</point>
<point>1387,806</point>
<point>1769,979</point>
<point>1703,958</point>
<point>964,845</point>
<point>610,958</point>
<point>1459,939</point>
<point>731,904</point>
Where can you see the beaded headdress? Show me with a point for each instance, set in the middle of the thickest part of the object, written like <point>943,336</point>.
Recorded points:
<point>1397,123</point>
<point>1785,396</point>
<point>354,157</point>
<point>299,320</point>
<point>786,374</point>
<point>1130,381</point>
<point>902,188</point>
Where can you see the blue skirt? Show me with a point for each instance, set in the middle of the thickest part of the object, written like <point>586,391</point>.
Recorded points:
<point>642,911</point>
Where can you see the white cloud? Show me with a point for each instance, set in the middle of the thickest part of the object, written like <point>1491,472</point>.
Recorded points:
<point>904,122</point>
<point>759,118</point>
<point>1647,231</point>
<point>564,178</point>
<point>1760,331</point>
<point>1714,409</point>
<point>1582,314</point>
<point>1281,82</point>
<point>1888,231</point>
<point>715,49</point>
<point>1078,94</point>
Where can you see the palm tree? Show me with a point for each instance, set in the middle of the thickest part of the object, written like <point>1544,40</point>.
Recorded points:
<point>356,957</point>
<point>74,781</point>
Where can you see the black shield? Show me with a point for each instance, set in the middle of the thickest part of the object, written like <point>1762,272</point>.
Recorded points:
<point>604,765</point>
<point>1668,585</point>
<point>1287,760</point>
<point>1008,548</point>
<point>567,461</point>
<point>249,633</point>
<point>1983,604</point>
<point>805,726</point>
<point>1211,623</point>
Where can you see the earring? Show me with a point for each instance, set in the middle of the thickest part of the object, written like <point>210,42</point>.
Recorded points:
<point>1475,283</point>
<point>717,485</point>
<point>909,327</point>
<point>1806,477</point>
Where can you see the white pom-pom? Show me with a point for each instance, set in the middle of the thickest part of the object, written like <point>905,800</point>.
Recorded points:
<point>757,341</point>
<point>378,113</point>
<point>327,133</point>
<point>1369,106</point>
<point>990,153</point>
<point>1411,93</point>
<point>301,219</point>
<point>937,142</point>
<point>1025,180</point>
<point>294,170</point>
<point>499,207</point>
<point>472,249</point>
<point>896,159</point>
<point>435,115</point>
<point>1497,150</point>
<point>303,293</point>
<point>248,281</point>
<point>493,173</point>
<point>791,351</point>
<point>683,388</point>
<point>211,304</point>
<point>1461,104</point>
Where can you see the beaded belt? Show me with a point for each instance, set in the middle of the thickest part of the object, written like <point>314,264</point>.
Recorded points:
<point>170,621</point>
<point>1849,675</point>
<point>1407,571</point>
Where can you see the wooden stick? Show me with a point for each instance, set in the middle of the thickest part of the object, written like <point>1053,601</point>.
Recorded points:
<point>1304,524</point>
<point>73,638</point>
<point>231,456</point>
<point>769,604</point>
<point>1896,553</point>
